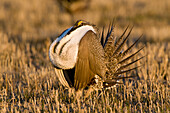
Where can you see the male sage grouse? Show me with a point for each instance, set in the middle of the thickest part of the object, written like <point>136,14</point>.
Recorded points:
<point>84,59</point>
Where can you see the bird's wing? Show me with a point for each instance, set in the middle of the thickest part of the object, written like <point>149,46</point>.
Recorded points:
<point>90,60</point>
<point>61,77</point>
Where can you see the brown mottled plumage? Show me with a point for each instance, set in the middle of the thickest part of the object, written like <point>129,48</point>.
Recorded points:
<point>90,60</point>
<point>99,61</point>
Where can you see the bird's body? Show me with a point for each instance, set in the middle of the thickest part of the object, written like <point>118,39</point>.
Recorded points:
<point>81,58</point>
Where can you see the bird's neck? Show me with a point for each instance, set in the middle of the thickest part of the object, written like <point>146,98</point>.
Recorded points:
<point>63,53</point>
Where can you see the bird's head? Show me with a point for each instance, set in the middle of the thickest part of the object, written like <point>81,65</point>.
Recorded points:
<point>81,23</point>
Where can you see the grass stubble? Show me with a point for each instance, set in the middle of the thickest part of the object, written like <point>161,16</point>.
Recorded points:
<point>28,82</point>
<point>27,79</point>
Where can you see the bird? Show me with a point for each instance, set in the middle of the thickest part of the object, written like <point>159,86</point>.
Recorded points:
<point>73,7</point>
<point>84,58</point>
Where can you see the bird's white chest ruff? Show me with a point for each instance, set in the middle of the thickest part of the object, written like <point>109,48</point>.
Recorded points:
<point>66,52</point>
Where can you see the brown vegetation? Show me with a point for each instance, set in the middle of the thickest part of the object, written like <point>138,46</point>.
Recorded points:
<point>27,79</point>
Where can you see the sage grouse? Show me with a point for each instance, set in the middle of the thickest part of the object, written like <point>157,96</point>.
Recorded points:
<point>84,59</point>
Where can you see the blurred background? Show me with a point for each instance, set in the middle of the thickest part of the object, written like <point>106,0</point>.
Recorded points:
<point>46,18</point>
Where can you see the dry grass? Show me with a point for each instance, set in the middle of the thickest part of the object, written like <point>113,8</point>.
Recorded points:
<point>27,79</point>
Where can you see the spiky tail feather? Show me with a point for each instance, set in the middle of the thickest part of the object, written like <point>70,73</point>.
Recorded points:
<point>115,58</point>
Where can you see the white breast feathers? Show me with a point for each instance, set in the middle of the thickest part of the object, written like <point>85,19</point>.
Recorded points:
<point>66,50</point>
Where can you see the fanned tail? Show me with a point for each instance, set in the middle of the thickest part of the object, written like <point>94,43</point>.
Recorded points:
<point>116,58</point>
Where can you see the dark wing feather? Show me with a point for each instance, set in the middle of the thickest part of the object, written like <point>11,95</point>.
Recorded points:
<point>90,61</point>
<point>120,39</point>
<point>125,66</point>
<point>125,71</point>
<point>127,50</point>
<point>102,37</point>
<point>117,51</point>
<point>109,33</point>
<point>129,57</point>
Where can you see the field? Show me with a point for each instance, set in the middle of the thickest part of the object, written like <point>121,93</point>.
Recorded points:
<point>27,79</point>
